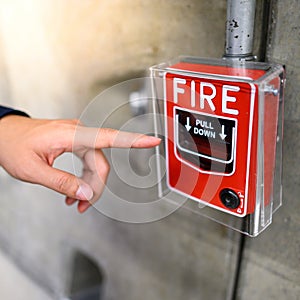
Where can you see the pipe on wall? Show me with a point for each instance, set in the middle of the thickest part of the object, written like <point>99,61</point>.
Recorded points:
<point>240,29</point>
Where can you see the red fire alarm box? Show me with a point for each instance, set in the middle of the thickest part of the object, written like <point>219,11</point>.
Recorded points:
<point>222,128</point>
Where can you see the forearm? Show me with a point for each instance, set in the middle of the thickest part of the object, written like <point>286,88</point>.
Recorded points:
<point>7,112</point>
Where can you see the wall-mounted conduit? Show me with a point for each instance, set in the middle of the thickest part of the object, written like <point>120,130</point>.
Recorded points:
<point>240,29</point>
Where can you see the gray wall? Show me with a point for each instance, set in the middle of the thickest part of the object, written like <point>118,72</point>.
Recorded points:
<point>271,262</point>
<point>54,57</point>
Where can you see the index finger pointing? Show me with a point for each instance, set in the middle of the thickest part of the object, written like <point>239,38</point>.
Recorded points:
<point>111,138</point>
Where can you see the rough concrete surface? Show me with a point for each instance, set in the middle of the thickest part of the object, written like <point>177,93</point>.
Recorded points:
<point>271,263</point>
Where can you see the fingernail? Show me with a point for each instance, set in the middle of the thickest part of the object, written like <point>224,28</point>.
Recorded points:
<point>151,139</point>
<point>154,138</point>
<point>84,192</point>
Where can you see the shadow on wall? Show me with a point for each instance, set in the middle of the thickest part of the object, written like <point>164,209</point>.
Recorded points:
<point>87,279</point>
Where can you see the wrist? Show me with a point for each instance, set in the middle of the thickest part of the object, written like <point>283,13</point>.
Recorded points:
<point>10,118</point>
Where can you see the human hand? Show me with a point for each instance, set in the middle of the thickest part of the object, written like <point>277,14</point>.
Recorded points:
<point>29,147</point>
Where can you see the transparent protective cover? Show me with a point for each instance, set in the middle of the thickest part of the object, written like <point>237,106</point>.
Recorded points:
<point>221,123</point>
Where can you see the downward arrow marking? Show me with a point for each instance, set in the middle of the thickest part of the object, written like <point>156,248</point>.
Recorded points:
<point>187,126</point>
<point>223,135</point>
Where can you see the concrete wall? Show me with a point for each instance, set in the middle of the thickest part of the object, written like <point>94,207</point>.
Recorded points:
<point>55,56</point>
<point>271,264</point>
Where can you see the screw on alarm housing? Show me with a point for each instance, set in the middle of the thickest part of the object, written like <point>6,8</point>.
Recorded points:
<point>230,198</point>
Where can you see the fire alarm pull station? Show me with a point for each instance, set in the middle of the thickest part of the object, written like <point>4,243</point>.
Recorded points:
<point>222,122</point>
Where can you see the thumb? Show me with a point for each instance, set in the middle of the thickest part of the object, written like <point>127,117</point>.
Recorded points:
<point>65,183</point>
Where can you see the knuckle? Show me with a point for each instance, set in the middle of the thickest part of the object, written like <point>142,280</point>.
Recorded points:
<point>56,123</point>
<point>78,122</point>
<point>67,124</point>
<point>62,133</point>
<point>109,135</point>
<point>64,184</point>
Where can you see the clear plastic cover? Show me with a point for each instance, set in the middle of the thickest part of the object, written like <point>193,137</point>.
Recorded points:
<point>221,123</point>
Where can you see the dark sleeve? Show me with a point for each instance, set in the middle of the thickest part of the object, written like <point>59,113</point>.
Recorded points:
<point>4,111</point>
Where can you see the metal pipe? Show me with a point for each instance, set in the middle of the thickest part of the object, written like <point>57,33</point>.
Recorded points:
<point>240,29</point>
